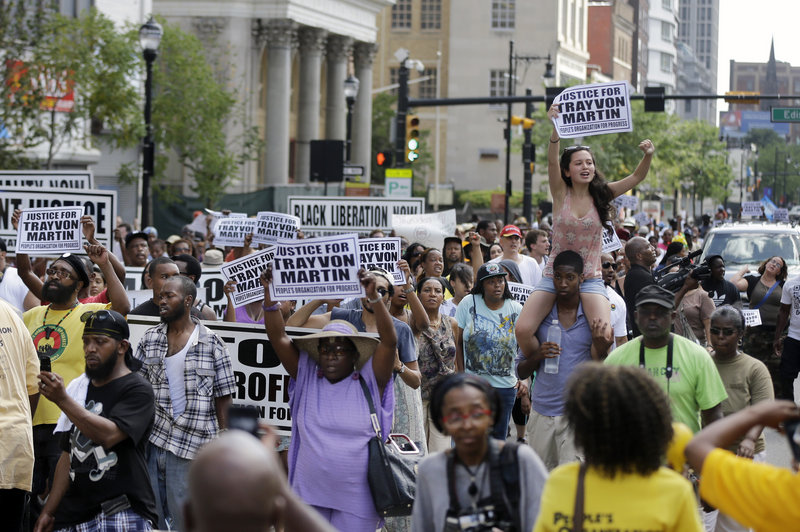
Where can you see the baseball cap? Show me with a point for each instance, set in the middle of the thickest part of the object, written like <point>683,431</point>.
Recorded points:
<point>106,322</point>
<point>130,237</point>
<point>511,230</point>
<point>150,230</point>
<point>490,269</point>
<point>655,294</point>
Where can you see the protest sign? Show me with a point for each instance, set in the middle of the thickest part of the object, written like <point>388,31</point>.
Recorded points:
<point>260,379</point>
<point>752,209</point>
<point>50,231</point>
<point>321,214</point>
<point>232,231</point>
<point>627,202</point>
<point>641,218</point>
<point>520,292</point>
<point>209,289</point>
<point>274,226</point>
<point>780,215</point>
<point>610,239</point>
<point>34,179</point>
<point>246,271</point>
<point>382,253</point>
<point>587,110</point>
<point>101,205</point>
<point>752,318</point>
<point>429,230</point>
<point>323,268</point>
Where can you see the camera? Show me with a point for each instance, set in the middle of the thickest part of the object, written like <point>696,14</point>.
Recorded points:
<point>673,281</point>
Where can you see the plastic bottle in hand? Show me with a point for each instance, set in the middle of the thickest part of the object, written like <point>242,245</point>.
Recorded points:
<point>553,336</point>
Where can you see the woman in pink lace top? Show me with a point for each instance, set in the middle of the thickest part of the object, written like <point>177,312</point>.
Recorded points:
<point>581,207</point>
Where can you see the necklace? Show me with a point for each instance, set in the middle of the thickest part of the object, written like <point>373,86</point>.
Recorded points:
<point>473,488</point>
<point>49,330</point>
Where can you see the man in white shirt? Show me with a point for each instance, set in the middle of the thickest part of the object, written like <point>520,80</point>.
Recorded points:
<point>511,242</point>
<point>12,288</point>
<point>538,245</point>
<point>619,310</point>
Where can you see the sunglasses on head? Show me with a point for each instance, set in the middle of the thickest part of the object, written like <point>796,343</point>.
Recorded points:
<point>577,148</point>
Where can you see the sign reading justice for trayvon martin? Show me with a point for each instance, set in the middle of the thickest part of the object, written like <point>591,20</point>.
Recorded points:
<point>382,253</point>
<point>586,110</point>
<point>321,268</point>
<point>50,231</point>
<point>246,271</point>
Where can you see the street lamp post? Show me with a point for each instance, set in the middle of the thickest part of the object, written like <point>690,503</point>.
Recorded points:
<point>785,165</point>
<point>350,93</point>
<point>149,37</point>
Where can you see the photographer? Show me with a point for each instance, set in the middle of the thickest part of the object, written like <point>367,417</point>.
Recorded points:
<point>723,292</point>
<point>641,256</point>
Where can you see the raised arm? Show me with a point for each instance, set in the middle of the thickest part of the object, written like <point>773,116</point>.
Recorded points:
<point>385,353</point>
<point>87,224</point>
<point>738,279</point>
<point>304,316</point>
<point>475,254</point>
<point>276,330</point>
<point>23,263</point>
<point>116,291</point>
<point>419,318</point>
<point>557,185</point>
<point>230,310</point>
<point>625,184</point>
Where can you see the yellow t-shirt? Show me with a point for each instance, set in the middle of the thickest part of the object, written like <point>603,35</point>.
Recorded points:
<point>19,367</point>
<point>662,501</point>
<point>64,344</point>
<point>757,495</point>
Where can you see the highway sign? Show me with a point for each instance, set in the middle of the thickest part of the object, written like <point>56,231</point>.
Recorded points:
<point>785,114</point>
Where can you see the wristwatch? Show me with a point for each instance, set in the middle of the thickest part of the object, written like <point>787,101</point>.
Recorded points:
<point>408,290</point>
<point>402,368</point>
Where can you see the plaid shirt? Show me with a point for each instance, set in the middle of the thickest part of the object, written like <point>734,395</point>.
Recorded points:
<point>207,374</point>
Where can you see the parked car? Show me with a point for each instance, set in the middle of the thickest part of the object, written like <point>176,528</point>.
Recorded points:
<point>794,213</point>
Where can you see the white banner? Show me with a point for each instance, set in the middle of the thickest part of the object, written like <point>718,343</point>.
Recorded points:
<point>382,253</point>
<point>101,205</point>
<point>318,268</point>
<point>520,292</point>
<point>34,179</point>
<point>610,239</point>
<point>752,208</point>
<point>595,109</point>
<point>50,231</point>
<point>641,218</point>
<point>429,230</point>
<point>232,231</point>
<point>345,214</point>
<point>626,201</point>
<point>246,271</point>
<point>752,318</point>
<point>780,215</point>
<point>274,226</point>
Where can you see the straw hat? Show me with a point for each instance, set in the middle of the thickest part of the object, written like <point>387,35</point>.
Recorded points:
<point>365,345</point>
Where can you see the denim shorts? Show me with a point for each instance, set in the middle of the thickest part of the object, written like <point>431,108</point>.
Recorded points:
<point>588,286</point>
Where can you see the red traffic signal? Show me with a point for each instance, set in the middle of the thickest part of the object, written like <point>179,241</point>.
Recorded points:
<point>384,158</point>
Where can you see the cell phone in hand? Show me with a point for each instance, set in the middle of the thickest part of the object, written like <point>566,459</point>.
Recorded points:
<point>792,429</point>
<point>241,417</point>
<point>44,364</point>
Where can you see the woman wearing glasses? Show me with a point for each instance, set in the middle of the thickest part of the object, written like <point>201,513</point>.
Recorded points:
<point>331,424</point>
<point>482,483</point>
<point>747,382</point>
<point>581,208</point>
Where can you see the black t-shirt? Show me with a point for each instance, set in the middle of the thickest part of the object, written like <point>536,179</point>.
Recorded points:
<point>148,308</point>
<point>637,278</point>
<point>98,474</point>
<point>721,292</point>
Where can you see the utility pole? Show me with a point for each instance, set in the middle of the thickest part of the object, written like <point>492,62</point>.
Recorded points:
<point>507,130</point>
<point>528,158</point>
<point>402,111</point>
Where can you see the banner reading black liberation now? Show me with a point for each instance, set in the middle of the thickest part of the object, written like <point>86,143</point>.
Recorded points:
<point>50,231</point>
<point>586,110</point>
<point>322,268</point>
<point>246,271</point>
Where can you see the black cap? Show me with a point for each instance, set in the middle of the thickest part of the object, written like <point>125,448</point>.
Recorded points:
<point>490,269</point>
<point>106,322</point>
<point>131,236</point>
<point>655,294</point>
<point>193,267</point>
<point>78,265</point>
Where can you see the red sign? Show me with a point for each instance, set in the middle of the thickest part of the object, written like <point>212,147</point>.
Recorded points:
<point>58,87</point>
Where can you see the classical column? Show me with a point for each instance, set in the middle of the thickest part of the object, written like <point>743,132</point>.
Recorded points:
<point>363,54</point>
<point>312,44</point>
<point>338,51</point>
<point>281,34</point>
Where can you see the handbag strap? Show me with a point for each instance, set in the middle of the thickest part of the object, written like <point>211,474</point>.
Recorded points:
<point>376,425</point>
<point>766,296</point>
<point>577,514</point>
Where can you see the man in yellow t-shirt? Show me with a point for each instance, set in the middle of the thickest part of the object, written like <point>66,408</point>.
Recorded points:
<point>56,330</point>
<point>18,370</point>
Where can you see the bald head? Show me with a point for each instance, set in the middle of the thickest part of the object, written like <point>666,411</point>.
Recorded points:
<point>233,485</point>
<point>639,251</point>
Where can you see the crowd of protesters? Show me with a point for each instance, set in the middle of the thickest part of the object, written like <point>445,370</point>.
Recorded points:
<point>644,392</point>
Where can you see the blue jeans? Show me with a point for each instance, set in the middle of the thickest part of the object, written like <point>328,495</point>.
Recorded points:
<point>168,477</point>
<point>507,397</point>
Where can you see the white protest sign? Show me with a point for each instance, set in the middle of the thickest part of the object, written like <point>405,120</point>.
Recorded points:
<point>210,288</point>
<point>429,230</point>
<point>50,231</point>
<point>34,179</point>
<point>520,292</point>
<point>752,318</point>
<point>610,239</point>
<point>259,378</point>
<point>641,218</point>
<point>274,226</point>
<point>382,253</point>
<point>216,216</point>
<point>626,201</point>
<point>587,110</point>
<point>232,231</point>
<point>752,208</point>
<point>780,215</point>
<point>321,268</point>
<point>246,271</point>
<point>101,205</point>
<point>344,214</point>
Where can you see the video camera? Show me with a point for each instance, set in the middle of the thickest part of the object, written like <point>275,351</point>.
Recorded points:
<point>673,281</point>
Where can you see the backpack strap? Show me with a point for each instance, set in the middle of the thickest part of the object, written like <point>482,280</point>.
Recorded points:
<point>504,479</point>
<point>454,507</point>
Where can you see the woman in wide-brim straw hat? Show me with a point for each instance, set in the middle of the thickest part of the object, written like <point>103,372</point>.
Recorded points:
<point>330,415</point>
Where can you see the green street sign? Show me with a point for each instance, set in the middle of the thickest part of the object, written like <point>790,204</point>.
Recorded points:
<point>785,114</point>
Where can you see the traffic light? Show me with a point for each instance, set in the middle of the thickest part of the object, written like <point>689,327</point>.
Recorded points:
<point>654,99</point>
<point>384,159</point>
<point>527,123</point>
<point>412,138</point>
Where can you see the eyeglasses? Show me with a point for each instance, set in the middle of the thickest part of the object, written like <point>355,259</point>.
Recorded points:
<point>456,419</point>
<point>726,331</point>
<point>335,352</point>
<point>577,148</point>
<point>607,265</point>
<point>61,274</point>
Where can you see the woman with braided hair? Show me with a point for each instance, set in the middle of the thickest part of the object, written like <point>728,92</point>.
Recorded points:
<point>623,425</point>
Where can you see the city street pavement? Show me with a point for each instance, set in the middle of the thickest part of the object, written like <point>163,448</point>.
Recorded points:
<point>778,452</point>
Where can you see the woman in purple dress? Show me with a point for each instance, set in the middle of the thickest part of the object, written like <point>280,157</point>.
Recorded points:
<point>330,415</point>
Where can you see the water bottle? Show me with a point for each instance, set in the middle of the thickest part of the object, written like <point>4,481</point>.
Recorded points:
<point>553,336</point>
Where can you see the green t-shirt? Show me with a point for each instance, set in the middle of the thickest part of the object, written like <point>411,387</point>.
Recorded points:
<point>695,384</point>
